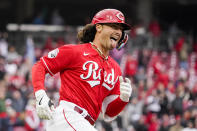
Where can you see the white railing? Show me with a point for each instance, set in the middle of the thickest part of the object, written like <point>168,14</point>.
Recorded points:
<point>36,28</point>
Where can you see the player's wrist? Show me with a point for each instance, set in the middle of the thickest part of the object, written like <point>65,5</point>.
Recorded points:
<point>124,99</point>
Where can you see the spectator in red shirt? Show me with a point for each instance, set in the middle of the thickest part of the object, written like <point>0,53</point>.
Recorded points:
<point>179,44</point>
<point>154,28</point>
<point>131,66</point>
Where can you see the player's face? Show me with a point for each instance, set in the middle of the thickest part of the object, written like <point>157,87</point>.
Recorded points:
<point>110,35</point>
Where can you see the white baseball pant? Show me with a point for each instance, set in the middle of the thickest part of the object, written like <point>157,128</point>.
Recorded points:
<point>65,118</point>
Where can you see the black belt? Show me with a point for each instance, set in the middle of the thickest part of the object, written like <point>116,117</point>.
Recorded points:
<point>87,117</point>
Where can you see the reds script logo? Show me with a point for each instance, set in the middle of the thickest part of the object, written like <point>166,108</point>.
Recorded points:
<point>92,68</point>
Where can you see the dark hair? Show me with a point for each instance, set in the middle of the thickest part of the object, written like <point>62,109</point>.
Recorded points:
<point>87,34</point>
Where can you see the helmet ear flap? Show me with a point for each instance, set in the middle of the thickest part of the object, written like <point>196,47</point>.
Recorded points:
<point>122,41</point>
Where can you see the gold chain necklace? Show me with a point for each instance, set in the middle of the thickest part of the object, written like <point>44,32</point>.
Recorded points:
<point>100,52</point>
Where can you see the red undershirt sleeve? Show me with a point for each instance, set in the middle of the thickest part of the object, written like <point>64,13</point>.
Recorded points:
<point>115,107</point>
<point>38,76</point>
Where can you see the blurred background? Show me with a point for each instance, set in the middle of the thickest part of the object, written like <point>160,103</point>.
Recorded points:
<point>160,59</point>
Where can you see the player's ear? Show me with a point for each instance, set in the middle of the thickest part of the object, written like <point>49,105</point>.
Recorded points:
<point>99,27</point>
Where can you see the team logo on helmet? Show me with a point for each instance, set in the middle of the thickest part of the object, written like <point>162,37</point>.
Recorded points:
<point>53,53</point>
<point>120,16</point>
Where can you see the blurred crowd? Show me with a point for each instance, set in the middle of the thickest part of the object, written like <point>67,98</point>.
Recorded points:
<point>161,65</point>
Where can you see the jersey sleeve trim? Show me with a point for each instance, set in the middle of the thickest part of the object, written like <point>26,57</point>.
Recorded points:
<point>105,103</point>
<point>50,72</point>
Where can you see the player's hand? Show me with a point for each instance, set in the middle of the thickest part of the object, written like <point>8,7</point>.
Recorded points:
<point>44,106</point>
<point>125,89</point>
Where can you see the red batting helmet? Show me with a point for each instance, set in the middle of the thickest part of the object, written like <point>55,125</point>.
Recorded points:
<point>110,16</point>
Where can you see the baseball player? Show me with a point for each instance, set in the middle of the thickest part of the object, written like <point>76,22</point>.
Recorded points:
<point>91,80</point>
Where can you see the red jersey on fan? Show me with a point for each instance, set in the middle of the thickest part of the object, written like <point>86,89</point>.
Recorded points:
<point>84,75</point>
<point>131,66</point>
